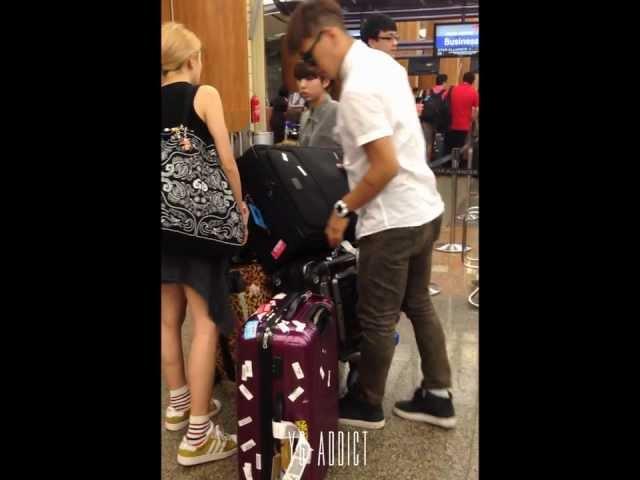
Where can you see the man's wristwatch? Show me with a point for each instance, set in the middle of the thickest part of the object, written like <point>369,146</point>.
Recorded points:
<point>341,209</point>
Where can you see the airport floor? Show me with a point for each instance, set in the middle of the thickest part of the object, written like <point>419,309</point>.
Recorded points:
<point>403,449</point>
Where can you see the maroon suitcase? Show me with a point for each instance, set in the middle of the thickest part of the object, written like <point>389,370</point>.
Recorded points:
<point>287,383</point>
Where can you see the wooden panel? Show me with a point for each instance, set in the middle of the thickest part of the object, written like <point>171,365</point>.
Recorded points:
<point>166,11</point>
<point>409,31</point>
<point>425,82</point>
<point>455,68</point>
<point>222,28</point>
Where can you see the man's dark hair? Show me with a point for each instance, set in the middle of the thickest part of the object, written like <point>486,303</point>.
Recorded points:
<point>441,78</point>
<point>303,70</point>
<point>309,17</point>
<point>469,77</point>
<point>375,24</point>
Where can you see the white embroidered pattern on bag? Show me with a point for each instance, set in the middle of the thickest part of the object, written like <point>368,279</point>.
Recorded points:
<point>196,198</point>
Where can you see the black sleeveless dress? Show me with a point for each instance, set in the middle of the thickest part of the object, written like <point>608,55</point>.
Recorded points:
<point>206,275</point>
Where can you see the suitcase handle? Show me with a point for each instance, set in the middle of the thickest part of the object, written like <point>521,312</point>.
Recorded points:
<point>289,310</point>
<point>329,267</point>
<point>320,317</point>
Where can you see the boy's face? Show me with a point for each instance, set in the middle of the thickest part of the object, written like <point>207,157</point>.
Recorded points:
<point>387,41</point>
<point>312,89</point>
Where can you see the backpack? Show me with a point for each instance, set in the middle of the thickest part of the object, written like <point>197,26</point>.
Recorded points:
<point>437,110</point>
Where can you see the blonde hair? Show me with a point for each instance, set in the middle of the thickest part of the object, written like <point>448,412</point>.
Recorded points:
<point>178,44</point>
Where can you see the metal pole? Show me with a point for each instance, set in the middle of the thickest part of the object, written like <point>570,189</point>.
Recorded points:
<point>453,247</point>
<point>460,217</point>
<point>454,193</point>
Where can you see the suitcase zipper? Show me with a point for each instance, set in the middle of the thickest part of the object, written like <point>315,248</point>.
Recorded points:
<point>265,338</point>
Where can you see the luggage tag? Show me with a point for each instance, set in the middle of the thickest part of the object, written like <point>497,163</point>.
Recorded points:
<point>279,249</point>
<point>256,214</point>
<point>250,330</point>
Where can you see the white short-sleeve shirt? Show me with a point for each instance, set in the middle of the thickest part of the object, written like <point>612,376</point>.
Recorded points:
<point>377,101</point>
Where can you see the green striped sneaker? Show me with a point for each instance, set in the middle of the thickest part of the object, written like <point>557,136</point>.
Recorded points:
<point>176,420</point>
<point>217,446</point>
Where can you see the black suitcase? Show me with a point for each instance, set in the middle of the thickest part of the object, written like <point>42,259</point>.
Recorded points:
<point>291,191</point>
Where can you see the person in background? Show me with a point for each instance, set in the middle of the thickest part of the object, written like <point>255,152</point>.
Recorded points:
<point>464,103</point>
<point>394,192</point>
<point>434,111</point>
<point>318,122</point>
<point>381,32</point>
<point>279,105</point>
<point>196,283</point>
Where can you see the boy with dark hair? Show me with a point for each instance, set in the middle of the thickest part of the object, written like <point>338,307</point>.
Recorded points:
<point>380,32</point>
<point>319,120</point>
<point>399,214</point>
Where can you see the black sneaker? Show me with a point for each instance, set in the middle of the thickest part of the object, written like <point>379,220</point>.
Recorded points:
<point>358,413</point>
<point>429,408</point>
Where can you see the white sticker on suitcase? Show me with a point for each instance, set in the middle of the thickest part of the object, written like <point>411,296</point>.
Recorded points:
<point>248,445</point>
<point>280,296</point>
<point>300,459</point>
<point>329,381</point>
<point>246,469</point>
<point>258,461</point>
<point>245,391</point>
<point>284,157</point>
<point>297,369</point>
<point>296,393</point>
<point>302,171</point>
<point>299,326</point>
<point>283,328</point>
<point>322,373</point>
<point>245,421</point>
<point>248,369</point>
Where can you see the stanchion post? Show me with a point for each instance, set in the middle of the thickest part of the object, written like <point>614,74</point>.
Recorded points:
<point>455,158</point>
<point>453,247</point>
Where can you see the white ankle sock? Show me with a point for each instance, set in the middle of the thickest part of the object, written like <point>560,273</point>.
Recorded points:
<point>198,429</point>
<point>180,398</point>
<point>439,392</point>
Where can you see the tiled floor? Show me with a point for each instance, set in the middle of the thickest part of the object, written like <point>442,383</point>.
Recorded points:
<point>403,449</point>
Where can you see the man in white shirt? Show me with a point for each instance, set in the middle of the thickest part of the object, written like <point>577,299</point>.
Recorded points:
<point>399,214</point>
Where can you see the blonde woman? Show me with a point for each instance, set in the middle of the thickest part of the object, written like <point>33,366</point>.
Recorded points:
<point>194,282</point>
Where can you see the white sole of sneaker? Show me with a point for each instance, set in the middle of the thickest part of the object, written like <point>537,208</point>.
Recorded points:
<point>362,423</point>
<point>190,462</point>
<point>176,427</point>
<point>423,417</point>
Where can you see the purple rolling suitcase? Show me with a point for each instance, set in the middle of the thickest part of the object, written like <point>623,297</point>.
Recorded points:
<point>287,385</point>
